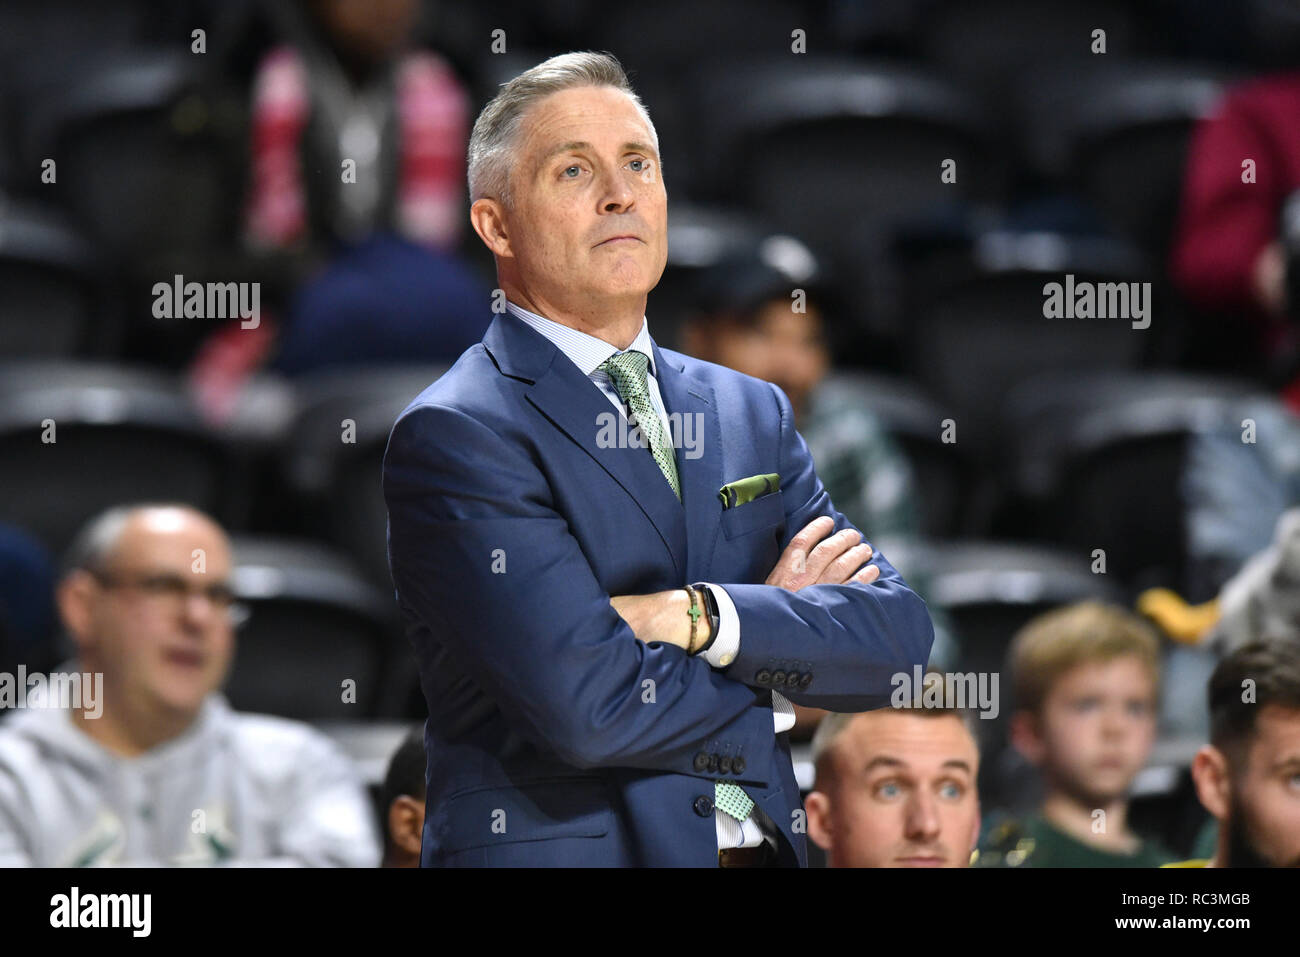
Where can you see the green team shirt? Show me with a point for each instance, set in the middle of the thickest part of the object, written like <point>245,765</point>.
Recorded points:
<point>1031,842</point>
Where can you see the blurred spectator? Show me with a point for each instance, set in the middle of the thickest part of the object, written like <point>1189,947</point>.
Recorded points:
<point>1085,682</point>
<point>147,763</point>
<point>356,202</point>
<point>1229,255</point>
<point>1246,775</point>
<point>401,802</point>
<point>895,788</point>
<point>747,322</point>
<point>1264,597</point>
<point>385,300</point>
<point>1236,492</point>
<point>354,133</point>
<point>26,600</point>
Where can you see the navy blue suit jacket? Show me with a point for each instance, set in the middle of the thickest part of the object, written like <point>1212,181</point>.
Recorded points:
<point>554,736</point>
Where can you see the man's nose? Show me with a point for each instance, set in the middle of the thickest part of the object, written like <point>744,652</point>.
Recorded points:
<point>618,194</point>
<point>922,817</point>
<point>199,609</point>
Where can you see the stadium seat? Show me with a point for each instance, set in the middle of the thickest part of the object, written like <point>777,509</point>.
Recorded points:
<point>823,144</point>
<point>48,287</point>
<point>76,438</point>
<point>1117,132</point>
<point>144,155</point>
<point>992,588</point>
<point>9,167</point>
<point>341,480</point>
<point>976,324</point>
<point>914,420</point>
<point>40,42</point>
<point>314,624</point>
<point>988,41</point>
<point>1099,460</point>
<point>679,33</point>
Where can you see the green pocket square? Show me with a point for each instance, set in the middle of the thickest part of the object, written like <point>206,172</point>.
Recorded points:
<point>747,489</point>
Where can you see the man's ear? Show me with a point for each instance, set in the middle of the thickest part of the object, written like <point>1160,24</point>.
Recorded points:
<point>1212,779</point>
<point>406,823</point>
<point>75,597</point>
<point>487,216</point>
<point>1025,733</point>
<point>818,808</point>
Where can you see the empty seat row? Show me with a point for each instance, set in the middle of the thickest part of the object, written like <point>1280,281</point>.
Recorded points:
<point>1085,460</point>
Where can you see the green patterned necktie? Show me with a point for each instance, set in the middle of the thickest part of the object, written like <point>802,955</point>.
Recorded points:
<point>627,371</point>
<point>732,799</point>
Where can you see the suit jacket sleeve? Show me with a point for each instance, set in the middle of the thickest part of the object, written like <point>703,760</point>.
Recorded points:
<point>855,637</point>
<point>538,633</point>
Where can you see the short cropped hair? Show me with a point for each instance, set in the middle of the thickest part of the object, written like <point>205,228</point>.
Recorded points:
<point>1271,665</point>
<point>494,142</point>
<point>1085,632</point>
<point>405,773</point>
<point>96,541</point>
<point>405,776</point>
<point>834,724</point>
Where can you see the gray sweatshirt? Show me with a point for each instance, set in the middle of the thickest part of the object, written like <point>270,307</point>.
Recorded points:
<point>235,789</point>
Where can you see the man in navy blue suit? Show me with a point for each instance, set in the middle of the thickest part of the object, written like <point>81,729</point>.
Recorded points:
<point>615,563</point>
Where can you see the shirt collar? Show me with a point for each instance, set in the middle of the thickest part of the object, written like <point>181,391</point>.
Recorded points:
<point>585,351</point>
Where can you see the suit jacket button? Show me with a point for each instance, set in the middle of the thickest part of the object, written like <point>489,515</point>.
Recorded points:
<point>778,678</point>
<point>737,765</point>
<point>805,681</point>
<point>792,679</point>
<point>763,677</point>
<point>703,805</point>
<point>712,763</point>
<point>724,764</point>
<point>701,761</point>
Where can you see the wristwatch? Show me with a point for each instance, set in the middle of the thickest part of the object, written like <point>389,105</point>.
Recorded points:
<point>711,606</point>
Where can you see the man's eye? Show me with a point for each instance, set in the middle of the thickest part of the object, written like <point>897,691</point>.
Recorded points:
<point>644,165</point>
<point>575,167</point>
<point>221,595</point>
<point>164,586</point>
<point>951,790</point>
<point>889,789</point>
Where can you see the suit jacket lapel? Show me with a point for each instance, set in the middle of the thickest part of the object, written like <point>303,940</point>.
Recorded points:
<point>699,469</point>
<point>574,404</point>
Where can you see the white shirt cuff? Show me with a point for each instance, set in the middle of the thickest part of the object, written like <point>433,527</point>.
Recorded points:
<point>724,649</point>
<point>782,712</point>
<point>726,645</point>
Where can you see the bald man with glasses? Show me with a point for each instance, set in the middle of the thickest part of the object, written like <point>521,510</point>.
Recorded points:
<point>161,771</point>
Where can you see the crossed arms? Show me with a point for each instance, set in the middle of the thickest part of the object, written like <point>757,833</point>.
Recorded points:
<point>565,668</point>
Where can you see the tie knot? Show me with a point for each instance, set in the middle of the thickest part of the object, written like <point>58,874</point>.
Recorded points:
<point>627,370</point>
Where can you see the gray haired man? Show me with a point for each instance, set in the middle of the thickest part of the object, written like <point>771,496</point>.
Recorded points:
<point>161,771</point>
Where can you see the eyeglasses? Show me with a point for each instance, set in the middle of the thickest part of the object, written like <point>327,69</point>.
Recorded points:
<point>173,591</point>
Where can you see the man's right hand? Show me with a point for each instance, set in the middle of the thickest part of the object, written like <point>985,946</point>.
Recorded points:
<point>835,561</point>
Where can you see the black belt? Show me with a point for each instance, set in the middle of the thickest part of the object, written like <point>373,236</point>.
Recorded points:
<point>764,855</point>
